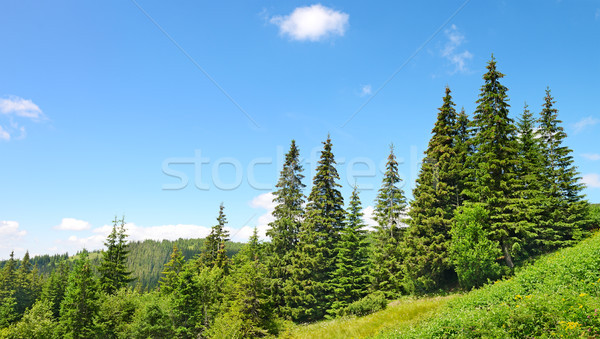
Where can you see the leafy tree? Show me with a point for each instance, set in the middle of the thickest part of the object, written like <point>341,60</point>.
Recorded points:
<point>565,218</point>
<point>308,291</point>
<point>113,268</point>
<point>284,230</point>
<point>351,277</point>
<point>171,271</point>
<point>471,250</point>
<point>390,206</point>
<point>79,308</point>
<point>214,250</point>
<point>491,168</point>
<point>37,322</point>
<point>435,197</point>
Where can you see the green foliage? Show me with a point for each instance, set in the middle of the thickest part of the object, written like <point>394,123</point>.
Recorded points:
<point>351,279</point>
<point>472,252</point>
<point>54,288</point>
<point>557,296</point>
<point>152,318</point>
<point>214,247</point>
<point>308,291</point>
<point>115,313</point>
<point>386,274</point>
<point>373,302</point>
<point>37,322</point>
<point>113,268</point>
<point>79,308</point>
<point>171,271</point>
<point>436,195</point>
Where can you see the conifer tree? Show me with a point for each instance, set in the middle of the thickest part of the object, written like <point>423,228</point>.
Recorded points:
<point>427,263</point>
<point>8,301</point>
<point>113,268</point>
<point>171,271</point>
<point>214,246</point>
<point>54,287</point>
<point>390,205</point>
<point>462,149</point>
<point>27,285</point>
<point>288,215</point>
<point>308,291</point>
<point>530,194</point>
<point>80,305</point>
<point>491,168</point>
<point>351,277</point>
<point>565,215</point>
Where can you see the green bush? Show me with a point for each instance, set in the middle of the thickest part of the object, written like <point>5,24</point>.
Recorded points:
<point>472,252</point>
<point>367,305</point>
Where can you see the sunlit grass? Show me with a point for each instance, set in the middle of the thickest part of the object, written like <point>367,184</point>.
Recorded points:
<point>399,314</point>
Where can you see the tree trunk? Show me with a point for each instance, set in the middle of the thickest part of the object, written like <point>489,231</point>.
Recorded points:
<point>507,256</point>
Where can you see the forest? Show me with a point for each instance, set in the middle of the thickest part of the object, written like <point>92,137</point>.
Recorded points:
<point>493,195</point>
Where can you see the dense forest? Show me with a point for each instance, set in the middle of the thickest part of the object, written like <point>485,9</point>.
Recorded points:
<point>493,194</point>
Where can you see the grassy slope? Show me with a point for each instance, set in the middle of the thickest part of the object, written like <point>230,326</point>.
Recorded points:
<point>558,296</point>
<point>402,313</point>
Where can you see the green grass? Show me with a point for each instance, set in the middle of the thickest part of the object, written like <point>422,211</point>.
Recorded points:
<point>403,314</point>
<point>558,296</point>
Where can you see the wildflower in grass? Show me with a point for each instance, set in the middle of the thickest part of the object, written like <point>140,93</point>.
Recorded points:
<point>583,294</point>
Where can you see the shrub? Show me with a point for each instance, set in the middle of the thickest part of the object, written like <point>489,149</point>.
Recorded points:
<point>472,252</point>
<point>371,303</point>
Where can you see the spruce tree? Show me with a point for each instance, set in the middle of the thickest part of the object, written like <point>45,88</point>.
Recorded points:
<point>351,276</point>
<point>79,307</point>
<point>462,150</point>
<point>308,292</point>
<point>113,268</point>
<point>491,177</point>
<point>427,263</point>
<point>564,219</point>
<point>54,287</point>
<point>288,215</point>
<point>214,246</point>
<point>390,205</point>
<point>8,301</point>
<point>171,271</point>
<point>530,194</point>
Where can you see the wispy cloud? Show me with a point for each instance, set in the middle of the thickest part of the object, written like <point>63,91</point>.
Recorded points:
<point>450,50</point>
<point>584,123</point>
<point>365,90</point>
<point>70,224</point>
<point>369,217</point>
<point>312,23</point>
<point>591,180</point>
<point>4,135</point>
<point>265,202</point>
<point>14,105</point>
<point>591,156</point>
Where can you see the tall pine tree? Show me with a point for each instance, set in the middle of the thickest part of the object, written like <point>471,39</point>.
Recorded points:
<point>351,276</point>
<point>171,272</point>
<point>565,214</point>
<point>491,168</point>
<point>390,205</point>
<point>308,291</point>
<point>288,215</point>
<point>427,263</point>
<point>113,268</point>
<point>214,246</point>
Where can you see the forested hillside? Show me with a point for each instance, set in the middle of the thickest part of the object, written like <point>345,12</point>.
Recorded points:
<point>493,195</point>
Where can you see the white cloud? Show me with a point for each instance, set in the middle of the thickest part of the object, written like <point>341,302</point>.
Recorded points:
<point>591,156</point>
<point>14,105</point>
<point>4,135</point>
<point>312,23</point>
<point>591,180</point>
<point>365,90</point>
<point>265,202</point>
<point>455,40</point>
<point>584,123</point>
<point>369,217</point>
<point>10,233</point>
<point>70,224</point>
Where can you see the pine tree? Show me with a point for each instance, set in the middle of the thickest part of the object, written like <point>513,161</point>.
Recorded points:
<point>8,301</point>
<point>427,263</point>
<point>27,284</point>
<point>565,214</point>
<point>113,268</point>
<point>530,193</point>
<point>491,168</point>
<point>390,205</point>
<point>288,215</point>
<point>308,291</point>
<point>171,271</point>
<point>80,305</point>
<point>462,151</point>
<point>214,246</point>
<point>351,277</point>
<point>54,287</point>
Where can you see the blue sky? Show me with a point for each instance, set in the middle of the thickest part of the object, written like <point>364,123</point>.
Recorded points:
<point>101,101</point>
